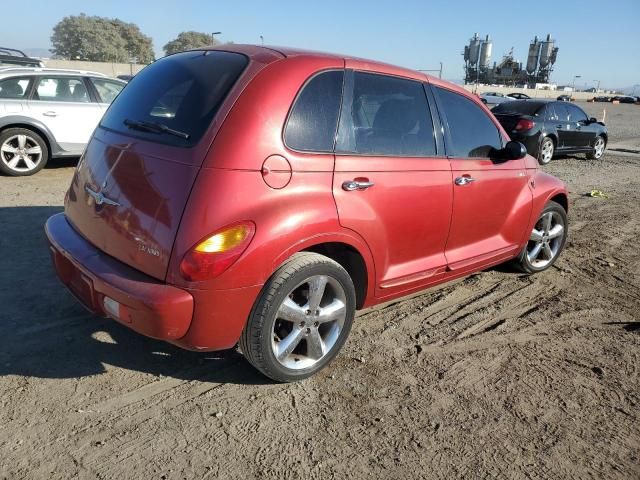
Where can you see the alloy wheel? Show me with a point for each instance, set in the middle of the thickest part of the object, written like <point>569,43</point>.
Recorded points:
<point>21,153</point>
<point>598,148</point>
<point>308,323</point>
<point>547,151</point>
<point>545,240</point>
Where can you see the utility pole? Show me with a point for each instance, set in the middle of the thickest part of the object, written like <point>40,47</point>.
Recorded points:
<point>261,40</point>
<point>213,41</point>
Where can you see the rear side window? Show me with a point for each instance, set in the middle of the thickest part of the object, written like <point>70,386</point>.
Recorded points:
<point>181,92</point>
<point>14,87</point>
<point>313,120</point>
<point>472,132</point>
<point>560,111</point>
<point>61,89</point>
<point>388,116</point>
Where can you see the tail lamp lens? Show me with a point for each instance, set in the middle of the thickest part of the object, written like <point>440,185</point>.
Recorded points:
<point>216,253</point>
<point>524,124</point>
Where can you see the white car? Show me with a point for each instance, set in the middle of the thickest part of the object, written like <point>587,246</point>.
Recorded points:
<point>495,98</point>
<point>49,113</point>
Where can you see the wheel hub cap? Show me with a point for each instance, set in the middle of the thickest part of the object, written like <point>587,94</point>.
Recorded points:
<point>545,240</point>
<point>308,322</point>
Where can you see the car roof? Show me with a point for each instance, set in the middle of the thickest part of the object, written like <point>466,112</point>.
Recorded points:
<point>10,71</point>
<point>267,53</point>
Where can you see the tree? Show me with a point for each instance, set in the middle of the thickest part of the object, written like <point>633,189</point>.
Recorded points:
<point>189,40</point>
<point>100,39</point>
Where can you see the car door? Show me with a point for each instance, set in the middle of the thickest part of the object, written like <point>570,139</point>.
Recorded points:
<point>583,133</point>
<point>65,106</point>
<point>392,181</point>
<point>491,198</point>
<point>559,120</point>
<point>13,95</point>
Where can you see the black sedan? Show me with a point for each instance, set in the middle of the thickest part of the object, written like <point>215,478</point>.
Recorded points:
<point>550,127</point>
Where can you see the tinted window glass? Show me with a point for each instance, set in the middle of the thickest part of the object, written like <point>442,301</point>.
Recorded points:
<point>181,91</point>
<point>388,116</point>
<point>15,87</point>
<point>313,121</point>
<point>108,90</point>
<point>61,89</point>
<point>575,113</point>
<point>561,112</point>
<point>472,132</point>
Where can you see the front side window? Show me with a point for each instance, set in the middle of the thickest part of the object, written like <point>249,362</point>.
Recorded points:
<point>313,121</point>
<point>576,114</point>
<point>108,90</point>
<point>174,100</point>
<point>14,87</point>
<point>388,116</point>
<point>471,131</point>
<point>561,112</point>
<point>61,89</point>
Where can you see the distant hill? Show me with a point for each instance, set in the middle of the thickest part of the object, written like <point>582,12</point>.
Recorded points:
<point>37,52</point>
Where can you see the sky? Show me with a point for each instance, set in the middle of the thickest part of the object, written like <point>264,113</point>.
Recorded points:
<point>597,40</point>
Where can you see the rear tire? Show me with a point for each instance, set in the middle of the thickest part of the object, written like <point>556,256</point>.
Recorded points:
<point>22,152</point>
<point>546,241</point>
<point>301,318</point>
<point>546,151</point>
<point>598,148</point>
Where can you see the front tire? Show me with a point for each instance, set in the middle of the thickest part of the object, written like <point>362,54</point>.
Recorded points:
<point>546,151</point>
<point>546,241</point>
<point>598,148</point>
<point>22,152</point>
<point>301,319</point>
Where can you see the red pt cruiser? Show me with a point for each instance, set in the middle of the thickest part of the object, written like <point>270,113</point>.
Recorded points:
<point>261,196</point>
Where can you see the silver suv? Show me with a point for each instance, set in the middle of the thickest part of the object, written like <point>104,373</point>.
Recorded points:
<point>49,113</point>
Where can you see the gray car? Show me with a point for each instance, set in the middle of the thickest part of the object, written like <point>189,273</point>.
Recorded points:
<point>49,113</point>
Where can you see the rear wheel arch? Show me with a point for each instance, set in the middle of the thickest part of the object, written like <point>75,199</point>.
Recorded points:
<point>351,260</point>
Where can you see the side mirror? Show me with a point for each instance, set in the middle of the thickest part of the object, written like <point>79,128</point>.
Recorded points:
<point>513,151</point>
<point>593,120</point>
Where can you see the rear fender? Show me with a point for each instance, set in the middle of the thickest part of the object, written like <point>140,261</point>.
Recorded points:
<point>287,221</point>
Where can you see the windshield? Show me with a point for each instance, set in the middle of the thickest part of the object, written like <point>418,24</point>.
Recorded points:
<point>178,93</point>
<point>521,107</point>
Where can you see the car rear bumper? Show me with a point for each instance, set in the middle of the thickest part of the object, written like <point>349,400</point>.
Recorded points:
<point>192,319</point>
<point>134,299</point>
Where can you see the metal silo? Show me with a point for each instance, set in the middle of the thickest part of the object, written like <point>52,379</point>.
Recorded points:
<point>554,55</point>
<point>485,52</point>
<point>534,54</point>
<point>545,51</point>
<point>474,49</point>
<point>466,53</point>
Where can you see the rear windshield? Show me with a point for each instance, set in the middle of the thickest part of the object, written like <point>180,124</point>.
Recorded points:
<point>173,100</point>
<point>522,107</point>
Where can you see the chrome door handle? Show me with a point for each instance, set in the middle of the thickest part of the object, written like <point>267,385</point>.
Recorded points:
<point>464,180</point>
<point>50,114</point>
<point>351,185</point>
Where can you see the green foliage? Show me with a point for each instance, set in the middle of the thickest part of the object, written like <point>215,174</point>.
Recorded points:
<point>188,40</point>
<point>100,39</point>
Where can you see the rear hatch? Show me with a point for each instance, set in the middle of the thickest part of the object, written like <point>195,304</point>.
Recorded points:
<point>132,184</point>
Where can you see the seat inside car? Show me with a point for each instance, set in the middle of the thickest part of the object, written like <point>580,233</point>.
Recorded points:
<point>11,90</point>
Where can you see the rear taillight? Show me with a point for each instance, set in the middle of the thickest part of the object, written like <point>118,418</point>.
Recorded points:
<point>213,255</point>
<point>524,124</point>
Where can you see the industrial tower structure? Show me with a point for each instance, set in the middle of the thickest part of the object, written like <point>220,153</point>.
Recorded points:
<point>540,60</point>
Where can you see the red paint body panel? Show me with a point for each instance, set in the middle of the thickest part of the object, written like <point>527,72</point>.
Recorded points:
<point>413,229</point>
<point>152,308</point>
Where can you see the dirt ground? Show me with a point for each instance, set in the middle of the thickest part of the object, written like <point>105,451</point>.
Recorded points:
<point>500,375</point>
